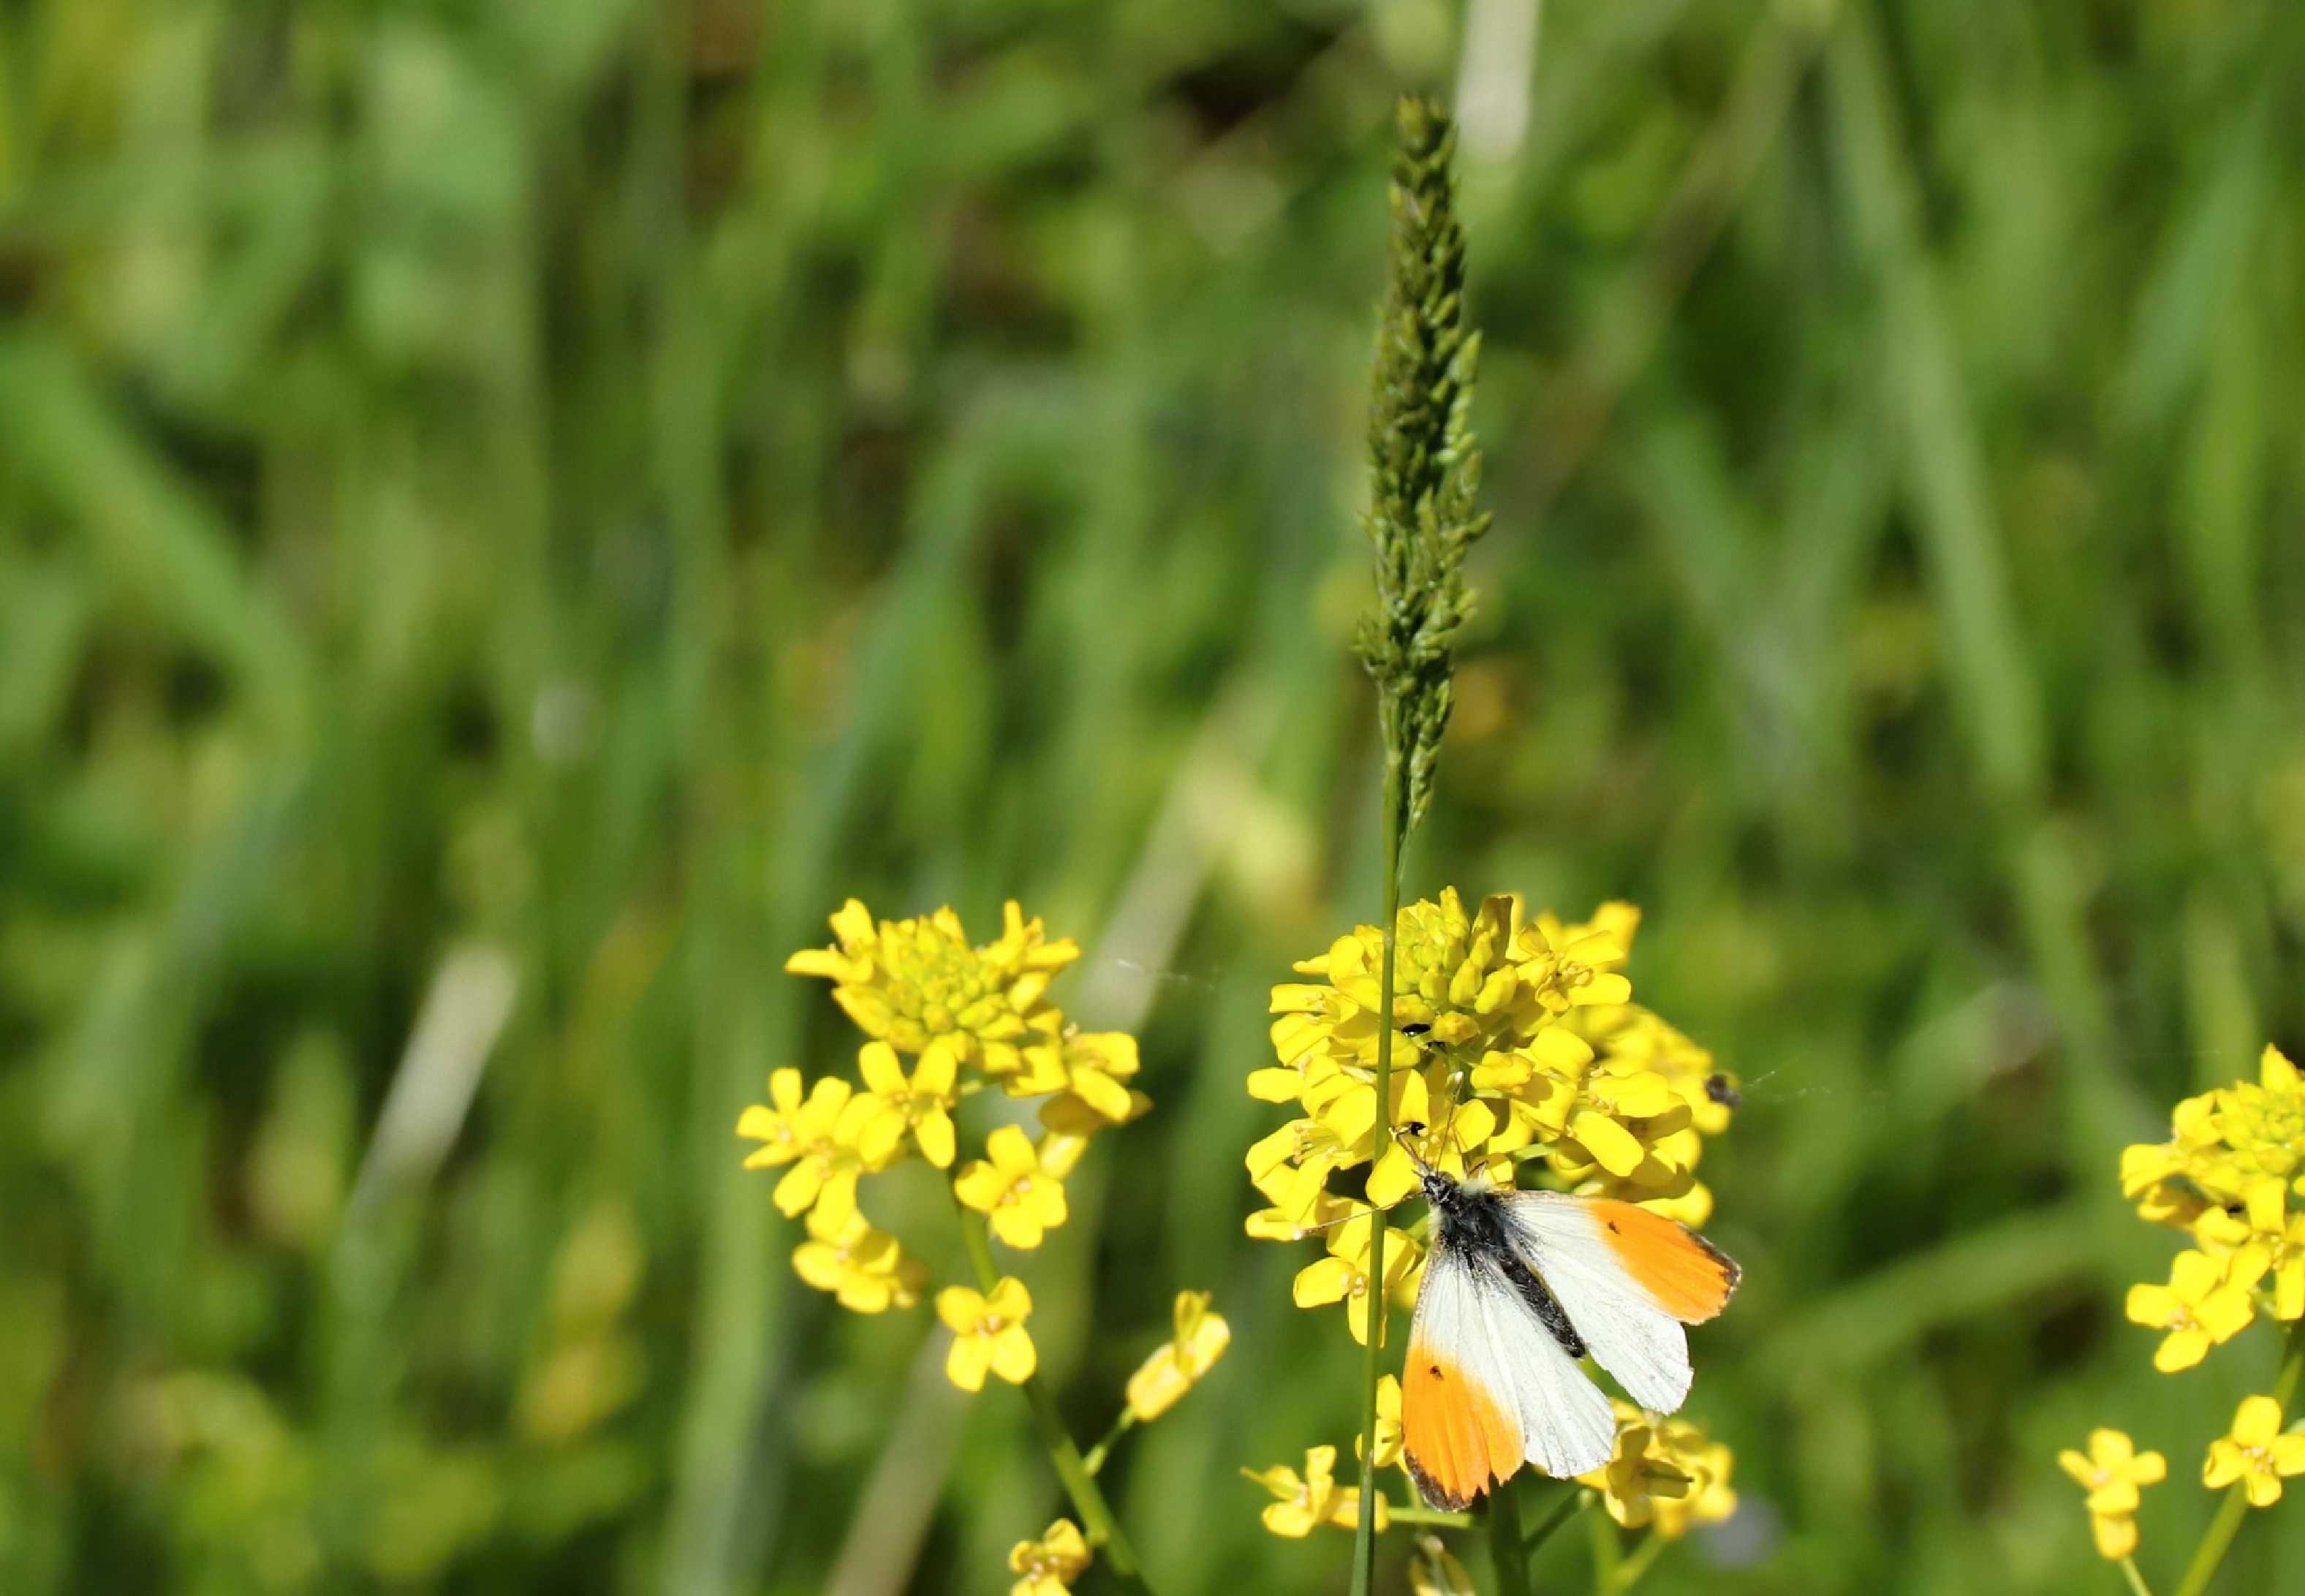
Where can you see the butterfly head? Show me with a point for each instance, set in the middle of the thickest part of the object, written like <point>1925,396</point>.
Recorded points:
<point>1442,1190</point>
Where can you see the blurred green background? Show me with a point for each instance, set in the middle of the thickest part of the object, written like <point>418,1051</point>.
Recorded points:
<point>509,512</point>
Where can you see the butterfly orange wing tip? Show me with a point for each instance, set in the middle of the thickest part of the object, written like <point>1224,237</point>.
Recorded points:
<point>1453,1434</point>
<point>1688,1276</point>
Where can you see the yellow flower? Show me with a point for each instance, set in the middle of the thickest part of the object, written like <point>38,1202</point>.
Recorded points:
<point>1292,1164</point>
<point>1276,1224</point>
<point>2263,1235</point>
<point>1387,1423</point>
<point>1571,966</point>
<point>1709,1464</point>
<point>1342,1277</point>
<point>777,1125</point>
<point>1640,1039</point>
<point>1432,1571</point>
<point>1636,1473</point>
<point>1013,1188</point>
<point>2258,1453</point>
<point>988,1332</point>
<point>2205,1303</point>
<point>1666,1475</point>
<point>908,982</point>
<point>1458,1141</point>
<point>1178,1365</point>
<point>2111,1473</point>
<point>863,1267</point>
<point>1619,1115</point>
<point>1303,1504</point>
<point>819,1136</point>
<point>1068,1124</point>
<point>1049,1565</point>
<point>1094,1066</point>
<point>921,1104</point>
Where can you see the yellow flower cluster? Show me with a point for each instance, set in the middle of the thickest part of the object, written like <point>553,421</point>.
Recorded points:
<point>2229,1178</point>
<point>1518,1051</point>
<point>967,1018</point>
<point>1666,1475</point>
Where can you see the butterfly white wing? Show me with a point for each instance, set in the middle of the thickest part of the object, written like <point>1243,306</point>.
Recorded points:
<point>1627,1279</point>
<point>1485,1385</point>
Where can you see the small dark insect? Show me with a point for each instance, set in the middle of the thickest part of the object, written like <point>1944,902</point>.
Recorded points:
<point>1718,1088</point>
<point>1417,1029</point>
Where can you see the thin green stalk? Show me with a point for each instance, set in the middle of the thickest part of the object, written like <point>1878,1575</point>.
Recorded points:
<point>2211,1553</point>
<point>2137,1585</point>
<point>1571,1504</point>
<point>1507,1553</point>
<point>1435,1517</point>
<point>1396,823</point>
<point>1098,1524</point>
<point>1423,476</point>
<point>1629,1572</point>
<point>1608,1553</point>
<point>1121,1426</point>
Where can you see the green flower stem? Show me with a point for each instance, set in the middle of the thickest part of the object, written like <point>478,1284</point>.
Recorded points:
<point>1434,1517</point>
<point>1608,1554</point>
<point>1396,824</point>
<point>2137,1585</point>
<point>2211,1553</point>
<point>1121,1426</point>
<point>1571,1504</point>
<point>1507,1553</point>
<point>1629,1572</point>
<point>2212,1550</point>
<point>1098,1525</point>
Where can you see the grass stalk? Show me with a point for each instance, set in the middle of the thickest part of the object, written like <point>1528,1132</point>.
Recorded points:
<point>1396,827</point>
<point>1424,470</point>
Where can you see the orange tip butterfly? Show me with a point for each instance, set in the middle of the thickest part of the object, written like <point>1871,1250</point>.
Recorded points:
<point>1520,1286</point>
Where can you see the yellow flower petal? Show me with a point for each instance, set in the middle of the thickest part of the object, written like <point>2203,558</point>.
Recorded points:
<point>965,1363</point>
<point>877,1062</point>
<point>1323,1281</point>
<point>2115,1535</point>
<point>934,1134</point>
<point>2256,1422</point>
<point>1013,1355</point>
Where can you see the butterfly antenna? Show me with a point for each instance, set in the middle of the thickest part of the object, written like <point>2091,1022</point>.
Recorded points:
<point>1401,1135</point>
<point>1361,1211</point>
